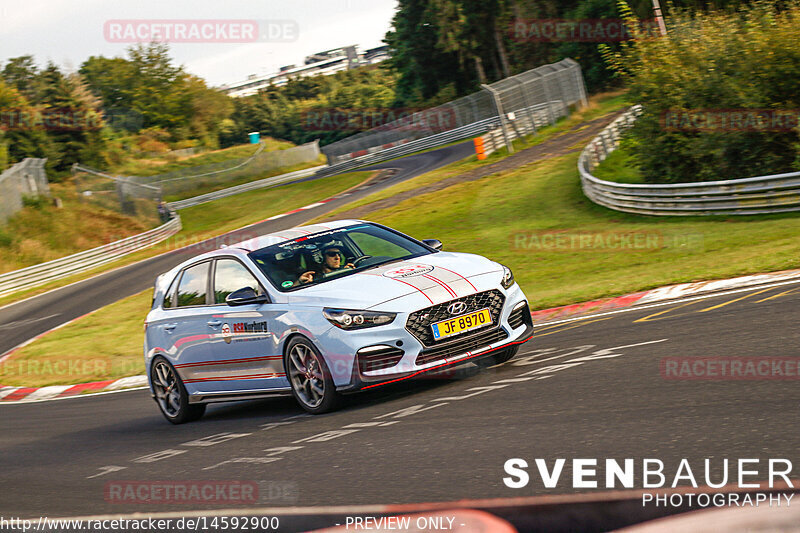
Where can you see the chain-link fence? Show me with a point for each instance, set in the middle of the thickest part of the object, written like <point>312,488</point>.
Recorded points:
<point>201,179</point>
<point>26,178</point>
<point>554,87</point>
<point>123,195</point>
<point>142,196</point>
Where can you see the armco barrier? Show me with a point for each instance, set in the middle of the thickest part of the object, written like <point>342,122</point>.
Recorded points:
<point>778,193</point>
<point>245,187</point>
<point>82,261</point>
<point>554,108</point>
<point>525,123</point>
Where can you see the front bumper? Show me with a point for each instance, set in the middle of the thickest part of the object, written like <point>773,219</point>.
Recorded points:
<point>390,362</point>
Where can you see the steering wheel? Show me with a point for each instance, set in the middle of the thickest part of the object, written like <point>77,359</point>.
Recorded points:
<point>357,260</point>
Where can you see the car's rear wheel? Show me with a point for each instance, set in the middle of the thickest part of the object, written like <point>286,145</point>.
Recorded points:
<point>171,395</point>
<point>497,358</point>
<point>312,384</point>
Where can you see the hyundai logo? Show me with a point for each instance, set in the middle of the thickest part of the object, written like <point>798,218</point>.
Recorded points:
<point>456,308</point>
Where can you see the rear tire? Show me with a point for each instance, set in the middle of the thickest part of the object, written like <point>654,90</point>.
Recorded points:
<point>498,358</point>
<point>311,381</point>
<point>171,395</point>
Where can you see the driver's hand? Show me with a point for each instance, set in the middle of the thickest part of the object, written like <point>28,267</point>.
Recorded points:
<point>349,265</point>
<point>307,277</point>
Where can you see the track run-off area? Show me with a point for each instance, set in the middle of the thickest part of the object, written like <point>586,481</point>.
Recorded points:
<point>621,385</point>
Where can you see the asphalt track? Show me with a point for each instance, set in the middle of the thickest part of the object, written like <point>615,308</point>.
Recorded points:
<point>592,388</point>
<point>24,320</point>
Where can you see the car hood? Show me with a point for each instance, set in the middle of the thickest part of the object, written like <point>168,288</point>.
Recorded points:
<point>425,281</point>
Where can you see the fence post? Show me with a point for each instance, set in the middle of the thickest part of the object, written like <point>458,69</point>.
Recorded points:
<point>581,83</point>
<point>499,107</point>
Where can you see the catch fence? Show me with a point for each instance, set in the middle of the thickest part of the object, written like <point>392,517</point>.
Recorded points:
<point>517,98</point>
<point>26,178</point>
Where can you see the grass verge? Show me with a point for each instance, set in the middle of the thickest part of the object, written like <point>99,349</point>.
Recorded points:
<point>104,345</point>
<point>620,166</point>
<point>148,166</point>
<point>599,105</point>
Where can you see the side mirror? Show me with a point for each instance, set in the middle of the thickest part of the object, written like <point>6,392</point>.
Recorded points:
<point>246,296</point>
<point>433,243</point>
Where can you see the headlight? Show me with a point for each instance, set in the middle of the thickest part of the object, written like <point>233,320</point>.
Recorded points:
<point>350,319</point>
<point>508,277</point>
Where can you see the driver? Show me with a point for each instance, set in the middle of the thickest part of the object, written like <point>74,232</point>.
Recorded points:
<point>331,262</point>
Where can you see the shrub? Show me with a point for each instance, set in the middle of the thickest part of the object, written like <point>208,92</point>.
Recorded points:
<point>6,240</point>
<point>725,62</point>
<point>34,201</point>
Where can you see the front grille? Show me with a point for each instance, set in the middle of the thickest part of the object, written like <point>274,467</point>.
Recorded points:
<point>518,316</point>
<point>469,344</point>
<point>379,359</point>
<point>419,322</point>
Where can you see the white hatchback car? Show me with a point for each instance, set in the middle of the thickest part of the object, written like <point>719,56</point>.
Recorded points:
<point>321,310</point>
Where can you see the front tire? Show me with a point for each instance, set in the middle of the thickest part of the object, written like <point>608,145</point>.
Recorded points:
<point>312,384</point>
<point>171,395</point>
<point>498,358</point>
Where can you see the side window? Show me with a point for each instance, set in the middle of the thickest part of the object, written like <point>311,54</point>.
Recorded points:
<point>193,285</point>
<point>169,296</point>
<point>231,276</point>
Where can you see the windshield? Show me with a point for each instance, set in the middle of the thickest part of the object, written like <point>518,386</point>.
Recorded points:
<point>315,259</point>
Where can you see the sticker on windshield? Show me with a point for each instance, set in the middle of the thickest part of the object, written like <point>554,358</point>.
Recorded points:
<point>408,271</point>
<point>286,284</point>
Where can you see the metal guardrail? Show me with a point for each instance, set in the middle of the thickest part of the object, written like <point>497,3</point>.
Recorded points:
<point>558,81</point>
<point>525,123</point>
<point>544,112</point>
<point>89,259</point>
<point>777,193</point>
<point>86,260</point>
<point>245,187</point>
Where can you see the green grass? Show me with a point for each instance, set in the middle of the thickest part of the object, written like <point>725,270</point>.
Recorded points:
<point>218,217</point>
<point>515,218</point>
<point>41,232</point>
<point>204,185</point>
<point>619,166</point>
<point>167,163</point>
<point>599,105</point>
<point>104,345</point>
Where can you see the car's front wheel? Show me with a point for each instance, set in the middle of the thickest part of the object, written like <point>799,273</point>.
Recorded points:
<point>171,395</point>
<point>498,357</point>
<point>312,384</point>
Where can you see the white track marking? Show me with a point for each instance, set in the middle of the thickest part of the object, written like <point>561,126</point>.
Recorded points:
<point>158,456</point>
<point>213,440</point>
<point>667,302</point>
<point>107,470</point>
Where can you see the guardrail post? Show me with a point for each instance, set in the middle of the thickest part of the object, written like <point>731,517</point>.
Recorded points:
<point>499,107</point>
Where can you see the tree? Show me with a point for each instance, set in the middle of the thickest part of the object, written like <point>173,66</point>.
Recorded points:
<point>22,73</point>
<point>709,63</point>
